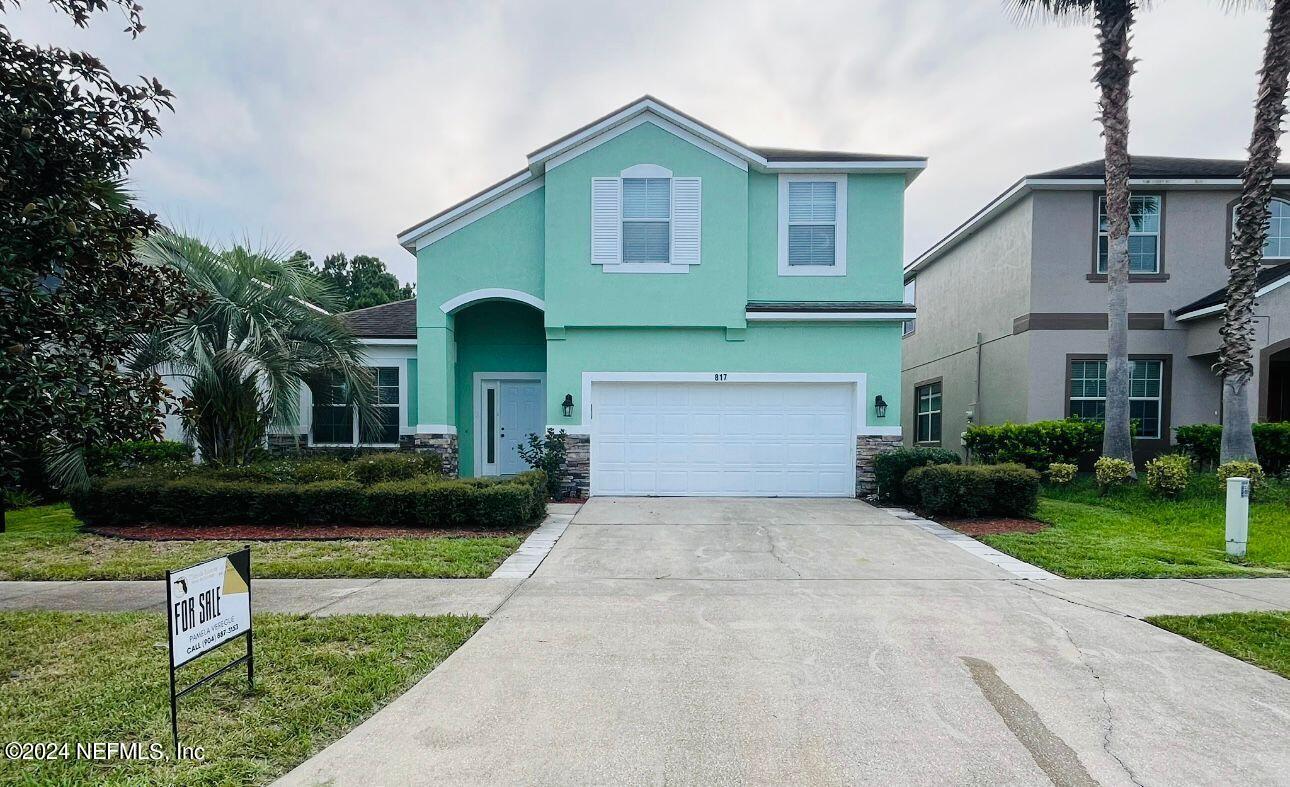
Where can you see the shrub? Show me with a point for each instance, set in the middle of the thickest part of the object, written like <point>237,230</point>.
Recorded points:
<point>1250,470</point>
<point>1271,441</point>
<point>284,471</point>
<point>1112,472</point>
<point>394,466</point>
<point>1061,472</point>
<point>1036,445</point>
<point>1168,475</point>
<point>547,453</point>
<point>134,454</point>
<point>890,468</point>
<point>973,490</point>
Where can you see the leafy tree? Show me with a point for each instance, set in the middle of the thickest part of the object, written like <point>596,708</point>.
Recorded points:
<point>1250,232</point>
<point>1113,21</point>
<point>246,352</point>
<point>362,280</point>
<point>72,293</point>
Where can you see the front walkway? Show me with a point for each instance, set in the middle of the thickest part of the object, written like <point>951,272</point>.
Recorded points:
<point>777,641</point>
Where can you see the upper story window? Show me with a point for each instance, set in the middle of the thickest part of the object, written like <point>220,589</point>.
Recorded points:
<point>1277,246</point>
<point>1144,234</point>
<point>812,225</point>
<point>646,221</point>
<point>908,326</point>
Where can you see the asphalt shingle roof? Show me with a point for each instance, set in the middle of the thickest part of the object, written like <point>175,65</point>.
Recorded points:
<point>1266,276</point>
<point>397,320</point>
<point>1158,167</point>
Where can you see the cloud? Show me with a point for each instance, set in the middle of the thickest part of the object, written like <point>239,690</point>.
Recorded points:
<point>330,126</point>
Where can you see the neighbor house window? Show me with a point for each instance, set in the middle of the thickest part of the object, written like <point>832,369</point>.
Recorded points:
<point>1146,400</point>
<point>336,421</point>
<point>927,413</point>
<point>907,327</point>
<point>1277,246</point>
<point>812,225</point>
<point>1144,234</point>
<point>647,219</point>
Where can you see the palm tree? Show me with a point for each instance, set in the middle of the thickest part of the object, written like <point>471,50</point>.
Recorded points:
<point>1251,229</point>
<point>246,352</point>
<point>1113,20</point>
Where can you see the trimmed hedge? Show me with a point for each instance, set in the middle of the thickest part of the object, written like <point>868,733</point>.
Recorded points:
<point>134,454</point>
<point>973,490</point>
<point>423,501</point>
<point>395,467</point>
<point>1036,445</point>
<point>284,471</point>
<point>890,468</point>
<point>1271,441</point>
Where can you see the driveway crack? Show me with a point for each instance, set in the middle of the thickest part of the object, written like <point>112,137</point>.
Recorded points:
<point>1108,727</point>
<point>770,542</point>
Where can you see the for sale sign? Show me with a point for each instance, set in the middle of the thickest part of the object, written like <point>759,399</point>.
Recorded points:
<point>210,604</point>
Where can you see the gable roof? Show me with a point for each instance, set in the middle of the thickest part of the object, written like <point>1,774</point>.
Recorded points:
<point>647,109</point>
<point>1267,280</point>
<point>1144,171</point>
<point>1154,167</point>
<point>397,320</point>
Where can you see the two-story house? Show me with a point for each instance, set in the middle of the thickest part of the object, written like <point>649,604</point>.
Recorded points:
<point>700,316</point>
<point>1013,305</point>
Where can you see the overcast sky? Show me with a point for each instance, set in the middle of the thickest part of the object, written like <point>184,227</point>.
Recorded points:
<point>331,126</point>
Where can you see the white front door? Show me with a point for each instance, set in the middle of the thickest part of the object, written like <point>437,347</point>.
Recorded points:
<point>510,410</point>
<point>691,438</point>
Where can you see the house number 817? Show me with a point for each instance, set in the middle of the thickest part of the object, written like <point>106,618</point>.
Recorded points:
<point>719,377</point>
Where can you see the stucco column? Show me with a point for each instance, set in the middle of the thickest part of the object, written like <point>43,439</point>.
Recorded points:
<point>436,394</point>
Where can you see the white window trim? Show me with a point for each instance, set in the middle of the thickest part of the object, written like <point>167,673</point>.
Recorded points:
<point>839,266</point>
<point>1160,223</point>
<point>1274,199</point>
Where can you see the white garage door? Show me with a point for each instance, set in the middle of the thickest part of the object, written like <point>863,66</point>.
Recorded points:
<point>757,439</point>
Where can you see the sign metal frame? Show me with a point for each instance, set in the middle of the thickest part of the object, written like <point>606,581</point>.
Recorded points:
<point>247,658</point>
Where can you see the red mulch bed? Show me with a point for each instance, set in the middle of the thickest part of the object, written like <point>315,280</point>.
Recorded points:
<point>288,533</point>
<point>990,526</point>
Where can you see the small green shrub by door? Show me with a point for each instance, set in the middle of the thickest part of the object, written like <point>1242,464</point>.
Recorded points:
<point>1061,473</point>
<point>890,468</point>
<point>973,490</point>
<point>1111,472</point>
<point>1241,469</point>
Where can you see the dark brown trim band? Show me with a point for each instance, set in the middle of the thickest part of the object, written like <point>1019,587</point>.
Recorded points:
<point>1084,321</point>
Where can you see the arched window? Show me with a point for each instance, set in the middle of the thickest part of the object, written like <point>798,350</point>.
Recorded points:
<point>1277,246</point>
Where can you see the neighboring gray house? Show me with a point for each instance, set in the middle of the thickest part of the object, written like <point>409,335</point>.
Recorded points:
<point>1012,305</point>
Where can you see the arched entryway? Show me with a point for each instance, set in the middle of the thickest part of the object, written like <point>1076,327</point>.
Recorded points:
<point>500,385</point>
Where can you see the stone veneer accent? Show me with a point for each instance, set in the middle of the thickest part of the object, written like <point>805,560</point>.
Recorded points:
<point>445,445</point>
<point>868,446</point>
<point>575,474</point>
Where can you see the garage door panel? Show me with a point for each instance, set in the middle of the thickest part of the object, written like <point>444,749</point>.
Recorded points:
<point>722,439</point>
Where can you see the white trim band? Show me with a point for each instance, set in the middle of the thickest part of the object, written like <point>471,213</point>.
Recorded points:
<point>491,294</point>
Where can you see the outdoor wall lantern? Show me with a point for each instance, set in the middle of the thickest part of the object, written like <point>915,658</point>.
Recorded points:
<point>567,405</point>
<point>879,406</point>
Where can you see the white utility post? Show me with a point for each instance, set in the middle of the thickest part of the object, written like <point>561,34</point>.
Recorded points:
<point>1238,515</point>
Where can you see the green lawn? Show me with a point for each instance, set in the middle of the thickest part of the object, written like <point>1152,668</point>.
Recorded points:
<point>1261,638</point>
<point>86,677</point>
<point>1130,533</point>
<point>44,542</point>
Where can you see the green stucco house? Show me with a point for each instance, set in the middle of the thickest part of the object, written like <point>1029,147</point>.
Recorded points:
<point>700,316</point>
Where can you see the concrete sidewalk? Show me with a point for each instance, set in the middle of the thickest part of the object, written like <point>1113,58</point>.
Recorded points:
<point>297,596</point>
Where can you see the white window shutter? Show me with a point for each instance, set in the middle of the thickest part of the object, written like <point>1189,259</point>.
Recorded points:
<point>687,220</point>
<point>606,221</point>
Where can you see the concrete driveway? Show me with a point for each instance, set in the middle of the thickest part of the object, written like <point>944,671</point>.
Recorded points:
<point>809,641</point>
